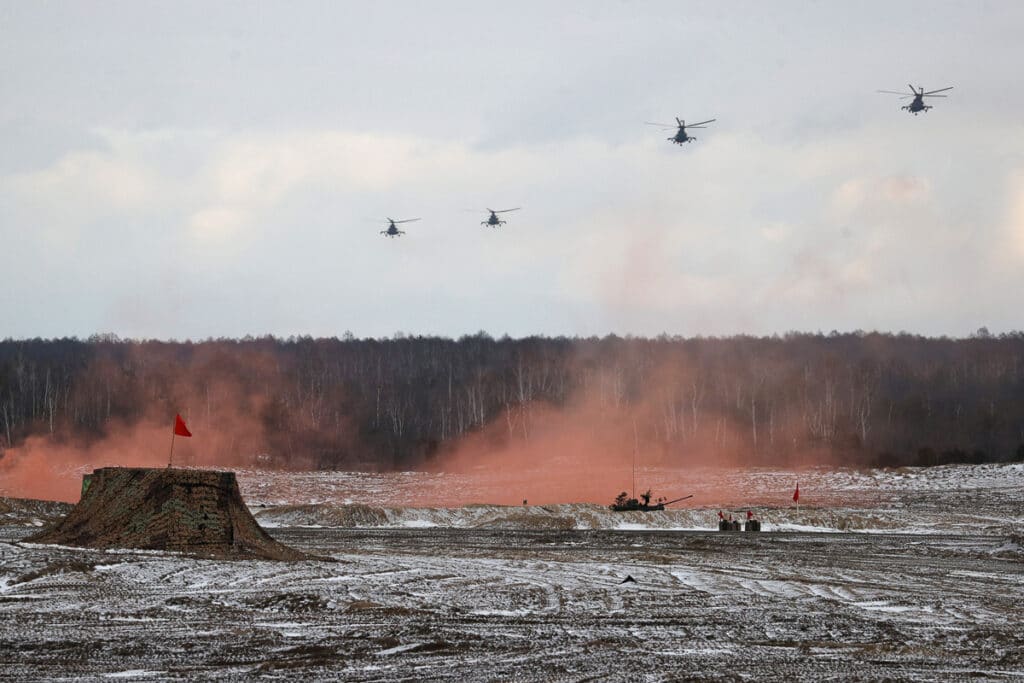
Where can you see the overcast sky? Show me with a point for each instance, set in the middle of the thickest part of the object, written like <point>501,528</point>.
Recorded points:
<point>185,170</point>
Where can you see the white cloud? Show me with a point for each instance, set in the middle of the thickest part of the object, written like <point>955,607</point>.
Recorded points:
<point>711,238</point>
<point>216,225</point>
<point>101,179</point>
<point>1014,226</point>
<point>776,231</point>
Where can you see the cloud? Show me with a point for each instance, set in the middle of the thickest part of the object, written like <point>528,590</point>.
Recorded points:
<point>868,195</point>
<point>1014,223</point>
<point>216,225</point>
<point>103,178</point>
<point>639,236</point>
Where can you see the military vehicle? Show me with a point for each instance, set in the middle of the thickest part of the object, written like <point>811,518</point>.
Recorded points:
<point>623,503</point>
<point>680,135</point>
<point>918,94</point>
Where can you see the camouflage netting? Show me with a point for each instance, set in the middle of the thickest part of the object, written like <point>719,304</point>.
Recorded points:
<point>198,512</point>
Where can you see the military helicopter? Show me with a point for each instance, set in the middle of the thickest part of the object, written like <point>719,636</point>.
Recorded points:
<point>680,137</point>
<point>493,220</point>
<point>392,229</point>
<point>918,104</point>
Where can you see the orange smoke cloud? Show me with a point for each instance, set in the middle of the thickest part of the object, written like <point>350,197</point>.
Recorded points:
<point>581,451</point>
<point>232,425</point>
<point>586,451</point>
<point>46,468</point>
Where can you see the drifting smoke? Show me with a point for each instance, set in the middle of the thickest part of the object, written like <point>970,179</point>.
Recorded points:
<point>223,399</point>
<point>604,442</point>
<point>582,453</point>
<point>50,470</point>
<point>546,420</point>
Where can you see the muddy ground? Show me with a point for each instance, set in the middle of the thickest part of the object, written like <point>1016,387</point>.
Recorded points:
<point>507,604</point>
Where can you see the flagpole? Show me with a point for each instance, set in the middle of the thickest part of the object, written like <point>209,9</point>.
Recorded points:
<point>179,429</point>
<point>636,446</point>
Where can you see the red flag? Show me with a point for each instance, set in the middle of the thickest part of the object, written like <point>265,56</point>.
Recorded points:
<point>720,515</point>
<point>796,494</point>
<point>750,515</point>
<point>179,427</point>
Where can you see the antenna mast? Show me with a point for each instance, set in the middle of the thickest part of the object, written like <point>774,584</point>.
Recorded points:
<point>636,447</point>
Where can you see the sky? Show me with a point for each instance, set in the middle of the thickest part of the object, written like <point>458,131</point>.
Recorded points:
<point>189,170</point>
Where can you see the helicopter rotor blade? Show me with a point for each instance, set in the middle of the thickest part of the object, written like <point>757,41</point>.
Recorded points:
<point>694,125</point>
<point>915,89</point>
<point>409,220</point>
<point>507,210</point>
<point>927,95</point>
<point>663,125</point>
<point>939,90</point>
<point>893,92</point>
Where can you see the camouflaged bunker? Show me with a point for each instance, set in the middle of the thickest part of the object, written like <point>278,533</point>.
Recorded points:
<point>199,512</point>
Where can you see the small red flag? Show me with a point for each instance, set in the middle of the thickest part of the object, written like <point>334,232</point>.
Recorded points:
<point>750,515</point>
<point>796,494</point>
<point>720,515</point>
<point>179,427</point>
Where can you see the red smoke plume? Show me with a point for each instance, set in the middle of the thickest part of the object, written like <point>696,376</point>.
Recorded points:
<point>228,418</point>
<point>584,451</point>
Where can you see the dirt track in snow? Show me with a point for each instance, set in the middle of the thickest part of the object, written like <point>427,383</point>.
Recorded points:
<point>475,604</point>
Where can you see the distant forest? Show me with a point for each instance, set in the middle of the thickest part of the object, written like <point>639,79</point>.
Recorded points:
<point>853,399</point>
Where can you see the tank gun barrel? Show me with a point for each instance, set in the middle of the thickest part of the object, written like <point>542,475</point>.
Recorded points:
<point>678,499</point>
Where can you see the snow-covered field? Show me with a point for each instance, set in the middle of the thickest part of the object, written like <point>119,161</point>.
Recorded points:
<point>972,499</point>
<point>497,593</point>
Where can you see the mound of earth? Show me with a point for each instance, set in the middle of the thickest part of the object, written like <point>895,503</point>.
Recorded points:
<point>199,512</point>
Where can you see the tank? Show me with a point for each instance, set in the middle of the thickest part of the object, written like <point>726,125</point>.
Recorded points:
<point>623,503</point>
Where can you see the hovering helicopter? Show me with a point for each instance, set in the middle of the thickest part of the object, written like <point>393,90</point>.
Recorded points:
<point>392,229</point>
<point>493,220</point>
<point>918,104</point>
<point>680,137</point>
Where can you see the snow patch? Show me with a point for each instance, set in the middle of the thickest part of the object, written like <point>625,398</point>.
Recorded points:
<point>133,673</point>
<point>398,649</point>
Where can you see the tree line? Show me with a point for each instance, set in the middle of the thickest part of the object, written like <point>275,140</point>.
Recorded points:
<point>851,399</point>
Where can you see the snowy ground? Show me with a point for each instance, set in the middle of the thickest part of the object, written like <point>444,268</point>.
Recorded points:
<point>495,595</point>
<point>971,499</point>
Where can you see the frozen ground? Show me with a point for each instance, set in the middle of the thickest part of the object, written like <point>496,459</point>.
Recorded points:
<point>972,499</point>
<point>494,594</point>
<point>534,605</point>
